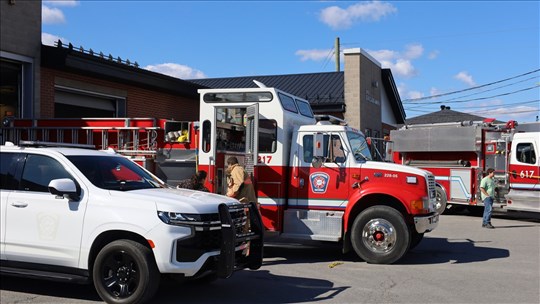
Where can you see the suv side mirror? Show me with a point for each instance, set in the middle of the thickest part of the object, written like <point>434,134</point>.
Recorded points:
<point>64,188</point>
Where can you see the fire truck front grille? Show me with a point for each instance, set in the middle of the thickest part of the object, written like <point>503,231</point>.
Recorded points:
<point>207,235</point>
<point>431,186</point>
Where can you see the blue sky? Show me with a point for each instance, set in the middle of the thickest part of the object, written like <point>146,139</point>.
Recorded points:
<point>481,57</point>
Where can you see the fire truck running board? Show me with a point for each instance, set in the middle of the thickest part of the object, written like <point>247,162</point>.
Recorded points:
<point>318,225</point>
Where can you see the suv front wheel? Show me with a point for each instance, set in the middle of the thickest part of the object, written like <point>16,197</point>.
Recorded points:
<point>125,272</point>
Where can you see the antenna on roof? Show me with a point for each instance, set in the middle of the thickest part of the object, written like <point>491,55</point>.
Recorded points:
<point>259,84</point>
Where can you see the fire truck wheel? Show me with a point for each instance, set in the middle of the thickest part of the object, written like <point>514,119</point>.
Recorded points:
<point>440,203</point>
<point>125,272</point>
<point>380,235</point>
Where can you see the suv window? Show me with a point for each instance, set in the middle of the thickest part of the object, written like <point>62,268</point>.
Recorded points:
<point>8,165</point>
<point>114,173</point>
<point>38,172</point>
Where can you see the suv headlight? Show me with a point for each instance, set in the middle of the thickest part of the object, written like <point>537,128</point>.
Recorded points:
<point>177,218</point>
<point>198,221</point>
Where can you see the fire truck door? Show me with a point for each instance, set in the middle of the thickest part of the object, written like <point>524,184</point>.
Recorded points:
<point>323,188</point>
<point>252,140</point>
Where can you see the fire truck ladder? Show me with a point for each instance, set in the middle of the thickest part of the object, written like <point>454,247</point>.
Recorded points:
<point>126,140</point>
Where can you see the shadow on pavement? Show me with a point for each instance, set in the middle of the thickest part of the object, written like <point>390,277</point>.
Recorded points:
<point>49,288</point>
<point>441,250</point>
<point>258,286</point>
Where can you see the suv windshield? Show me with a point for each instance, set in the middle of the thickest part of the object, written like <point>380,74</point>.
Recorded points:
<point>359,146</point>
<point>115,173</point>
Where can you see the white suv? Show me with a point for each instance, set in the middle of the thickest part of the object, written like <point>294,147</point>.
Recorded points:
<point>84,215</point>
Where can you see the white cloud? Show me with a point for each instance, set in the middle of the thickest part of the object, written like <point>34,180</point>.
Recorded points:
<point>433,55</point>
<point>50,39</point>
<point>404,68</point>
<point>315,55</point>
<point>176,70</point>
<point>434,91</point>
<point>413,51</point>
<point>464,76</point>
<point>405,93</point>
<point>518,113</point>
<point>339,18</point>
<point>399,62</point>
<point>414,94</point>
<point>52,15</point>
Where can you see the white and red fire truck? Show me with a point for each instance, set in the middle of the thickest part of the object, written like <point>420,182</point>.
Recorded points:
<point>458,154</point>
<point>314,177</point>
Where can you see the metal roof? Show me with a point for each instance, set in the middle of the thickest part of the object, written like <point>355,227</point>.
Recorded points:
<point>322,90</point>
<point>444,115</point>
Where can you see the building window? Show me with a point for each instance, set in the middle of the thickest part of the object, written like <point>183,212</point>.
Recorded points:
<point>10,89</point>
<point>16,86</point>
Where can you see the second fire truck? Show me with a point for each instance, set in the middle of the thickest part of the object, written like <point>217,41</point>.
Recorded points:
<point>459,153</point>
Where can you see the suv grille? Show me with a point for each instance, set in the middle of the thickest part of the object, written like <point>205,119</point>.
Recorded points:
<point>207,234</point>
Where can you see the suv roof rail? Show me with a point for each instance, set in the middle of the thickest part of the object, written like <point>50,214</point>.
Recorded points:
<point>35,143</point>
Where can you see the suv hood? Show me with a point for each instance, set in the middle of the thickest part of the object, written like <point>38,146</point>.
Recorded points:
<point>177,200</point>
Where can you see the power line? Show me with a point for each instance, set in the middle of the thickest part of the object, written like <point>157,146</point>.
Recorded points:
<point>513,112</point>
<point>327,59</point>
<point>489,90</point>
<point>482,98</point>
<point>473,107</point>
<point>468,89</point>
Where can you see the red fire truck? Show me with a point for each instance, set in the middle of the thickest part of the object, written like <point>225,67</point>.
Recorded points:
<point>458,154</point>
<point>314,176</point>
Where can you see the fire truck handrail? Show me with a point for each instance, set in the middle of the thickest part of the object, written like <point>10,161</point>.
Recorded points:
<point>465,123</point>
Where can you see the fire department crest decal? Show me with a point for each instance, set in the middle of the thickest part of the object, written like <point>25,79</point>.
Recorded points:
<point>319,182</point>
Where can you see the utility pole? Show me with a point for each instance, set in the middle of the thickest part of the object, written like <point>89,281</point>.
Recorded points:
<point>336,47</point>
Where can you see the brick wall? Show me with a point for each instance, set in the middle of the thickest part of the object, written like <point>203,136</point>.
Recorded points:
<point>140,102</point>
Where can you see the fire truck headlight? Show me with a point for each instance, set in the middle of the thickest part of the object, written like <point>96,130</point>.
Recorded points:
<point>411,180</point>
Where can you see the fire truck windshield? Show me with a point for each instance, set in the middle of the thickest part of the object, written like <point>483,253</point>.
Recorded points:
<point>114,173</point>
<point>359,146</point>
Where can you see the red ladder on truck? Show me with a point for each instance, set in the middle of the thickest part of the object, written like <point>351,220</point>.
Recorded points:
<point>129,136</point>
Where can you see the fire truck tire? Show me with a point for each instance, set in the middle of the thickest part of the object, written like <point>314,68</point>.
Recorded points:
<point>440,203</point>
<point>125,272</point>
<point>416,238</point>
<point>380,235</point>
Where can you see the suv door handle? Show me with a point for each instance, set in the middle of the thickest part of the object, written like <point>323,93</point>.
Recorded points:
<point>19,204</point>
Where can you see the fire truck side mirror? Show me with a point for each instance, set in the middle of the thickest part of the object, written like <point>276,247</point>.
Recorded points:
<point>317,162</point>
